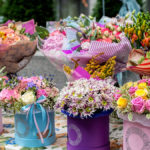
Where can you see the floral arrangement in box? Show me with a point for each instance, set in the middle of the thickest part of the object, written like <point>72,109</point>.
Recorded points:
<point>85,97</point>
<point>24,91</point>
<point>133,98</point>
<point>17,39</point>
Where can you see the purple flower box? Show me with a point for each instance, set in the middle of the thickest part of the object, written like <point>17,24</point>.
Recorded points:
<point>90,133</point>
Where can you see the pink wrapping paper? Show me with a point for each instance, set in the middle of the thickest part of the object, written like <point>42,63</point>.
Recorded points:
<point>78,73</point>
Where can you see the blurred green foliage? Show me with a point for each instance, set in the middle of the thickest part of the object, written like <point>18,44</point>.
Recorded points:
<point>112,8</point>
<point>23,10</point>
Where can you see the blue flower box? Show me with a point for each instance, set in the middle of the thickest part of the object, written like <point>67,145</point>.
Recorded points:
<point>26,133</point>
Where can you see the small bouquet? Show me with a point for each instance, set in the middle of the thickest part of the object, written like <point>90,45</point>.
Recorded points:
<point>24,91</point>
<point>133,100</point>
<point>139,35</point>
<point>17,44</point>
<point>85,97</point>
<point>138,32</point>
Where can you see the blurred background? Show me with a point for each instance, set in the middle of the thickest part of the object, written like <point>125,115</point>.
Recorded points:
<point>50,10</point>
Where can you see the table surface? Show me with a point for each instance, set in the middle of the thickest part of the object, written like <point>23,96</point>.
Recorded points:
<point>7,141</point>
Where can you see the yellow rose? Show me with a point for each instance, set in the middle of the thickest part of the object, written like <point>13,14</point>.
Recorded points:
<point>141,93</point>
<point>142,85</point>
<point>122,103</point>
<point>28,97</point>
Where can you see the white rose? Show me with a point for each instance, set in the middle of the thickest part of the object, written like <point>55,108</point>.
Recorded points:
<point>28,97</point>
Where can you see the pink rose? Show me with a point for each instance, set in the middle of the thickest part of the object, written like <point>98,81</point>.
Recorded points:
<point>41,92</point>
<point>132,90</point>
<point>143,80</point>
<point>147,105</point>
<point>116,96</point>
<point>138,105</point>
<point>7,94</point>
<point>149,82</point>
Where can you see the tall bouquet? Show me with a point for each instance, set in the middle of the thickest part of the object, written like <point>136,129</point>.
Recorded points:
<point>81,39</point>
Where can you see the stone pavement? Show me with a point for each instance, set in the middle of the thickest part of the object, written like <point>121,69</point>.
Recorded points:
<point>39,65</point>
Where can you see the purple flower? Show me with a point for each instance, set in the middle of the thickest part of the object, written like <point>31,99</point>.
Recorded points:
<point>31,85</point>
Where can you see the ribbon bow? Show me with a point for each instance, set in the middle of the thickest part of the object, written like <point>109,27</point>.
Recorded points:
<point>30,110</point>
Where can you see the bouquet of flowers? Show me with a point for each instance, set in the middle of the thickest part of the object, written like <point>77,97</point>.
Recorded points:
<point>133,100</point>
<point>17,44</point>
<point>24,91</point>
<point>86,97</point>
<point>139,35</point>
<point>94,69</point>
<point>81,39</point>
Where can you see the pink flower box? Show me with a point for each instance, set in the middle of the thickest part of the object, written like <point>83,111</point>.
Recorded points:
<point>136,133</point>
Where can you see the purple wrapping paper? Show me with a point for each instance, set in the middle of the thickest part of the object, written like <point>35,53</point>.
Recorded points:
<point>88,134</point>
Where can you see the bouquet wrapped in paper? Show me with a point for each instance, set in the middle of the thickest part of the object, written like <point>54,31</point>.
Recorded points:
<point>17,44</point>
<point>139,35</point>
<point>81,39</point>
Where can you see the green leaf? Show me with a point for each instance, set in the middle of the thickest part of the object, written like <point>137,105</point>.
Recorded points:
<point>130,116</point>
<point>42,32</point>
<point>86,22</point>
<point>148,116</point>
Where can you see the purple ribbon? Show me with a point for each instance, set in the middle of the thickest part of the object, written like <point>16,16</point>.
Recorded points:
<point>72,49</point>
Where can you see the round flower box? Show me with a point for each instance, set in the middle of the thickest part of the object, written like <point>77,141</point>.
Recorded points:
<point>88,134</point>
<point>136,133</point>
<point>26,132</point>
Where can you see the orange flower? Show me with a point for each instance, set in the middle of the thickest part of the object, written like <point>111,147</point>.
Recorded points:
<point>135,37</point>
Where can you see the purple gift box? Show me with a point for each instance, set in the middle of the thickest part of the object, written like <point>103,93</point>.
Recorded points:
<point>89,134</point>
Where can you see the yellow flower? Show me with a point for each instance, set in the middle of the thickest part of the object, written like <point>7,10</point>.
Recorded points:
<point>142,85</point>
<point>122,103</point>
<point>129,84</point>
<point>141,93</point>
<point>135,84</point>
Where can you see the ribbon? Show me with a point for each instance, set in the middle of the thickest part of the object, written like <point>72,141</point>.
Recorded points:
<point>30,110</point>
<point>72,50</point>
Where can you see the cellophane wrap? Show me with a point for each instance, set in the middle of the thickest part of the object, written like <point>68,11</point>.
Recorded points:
<point>58,53</point>
<point>137,118</point>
